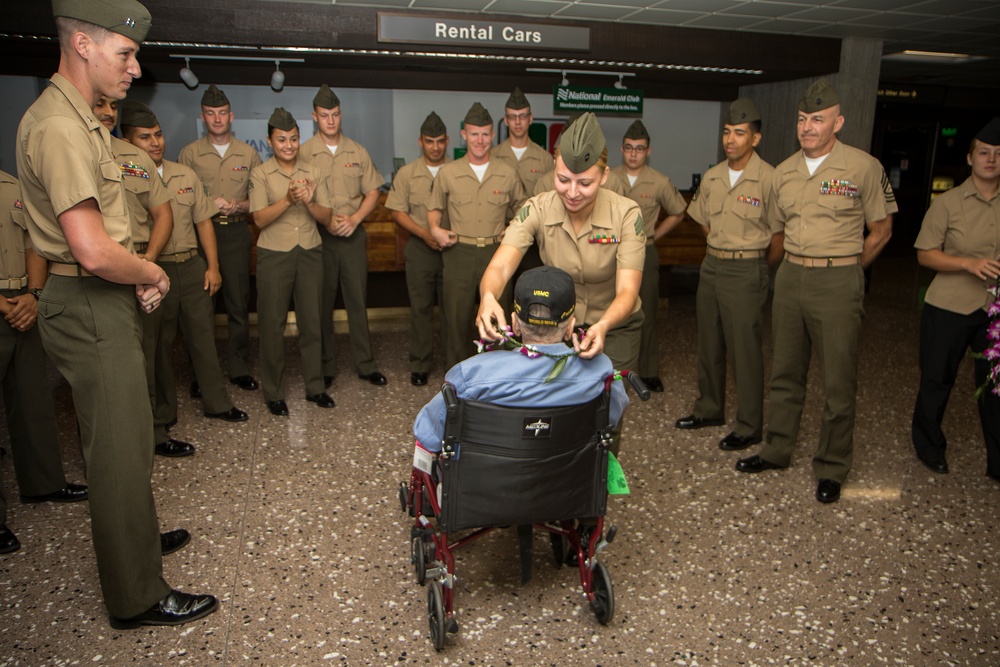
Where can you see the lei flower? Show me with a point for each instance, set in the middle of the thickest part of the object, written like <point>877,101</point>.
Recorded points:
<point>509,342</point>
<point>992,352</point>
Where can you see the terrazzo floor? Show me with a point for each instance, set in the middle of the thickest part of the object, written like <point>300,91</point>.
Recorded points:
<point>297,528</point>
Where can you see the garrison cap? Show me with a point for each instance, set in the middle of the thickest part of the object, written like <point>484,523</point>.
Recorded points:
<point>325,98</point>
<point>478,116</point>
<point>990,134</point>
<point>742,111</point>
<point>636,131</point>
<point>282,120</point>
<point>548,286</point>
<point>126,17</point>
<point>516,101</point>
<point>433,126</point>
<point>820,95</point>
<point>213,97</point>
<point>136,114</point>
<point>582,143</point>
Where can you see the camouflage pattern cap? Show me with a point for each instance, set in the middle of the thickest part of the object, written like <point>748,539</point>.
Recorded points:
<point>582,143</point>
<point>325,98</point>
<point>126,17</point>
<point>282,120</point>
<point>637,131</point>
<point>742,111</point>
<point>433,126</point>
<point>136,114</point>
<point>478,116</point>
<point>516,101</point>
<point>213,97</point>
<point>820,95</point>
<point>990,134</point>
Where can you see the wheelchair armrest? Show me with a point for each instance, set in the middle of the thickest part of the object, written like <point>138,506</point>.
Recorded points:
<point>453,418</point>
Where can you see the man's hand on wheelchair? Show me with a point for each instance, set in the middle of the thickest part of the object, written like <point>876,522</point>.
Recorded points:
<point>491,320</point>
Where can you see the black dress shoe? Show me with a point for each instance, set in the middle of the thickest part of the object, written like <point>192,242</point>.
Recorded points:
<point>323,400</point>
<point>175,609</point>
<point>230,415</point>
<point>174,448</point>
<point>735,441</point>
<point>71,493</point>
<point>653,383</point>
<point>374,377</point>
<point>692,421</point>
<point>244,382</point>
<point>935,462</point>
<point>418,379</point>
<point>173,540</point>
<point>278,408</point>
<point>8,540</point>
<point>327,381</point>
<point>828,491</point>
<point>195,390</point>
<point>756,464</point>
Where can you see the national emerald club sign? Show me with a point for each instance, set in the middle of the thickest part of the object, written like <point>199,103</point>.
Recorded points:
<point>607,101</point>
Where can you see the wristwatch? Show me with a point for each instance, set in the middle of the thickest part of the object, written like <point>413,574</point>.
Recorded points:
<point>37,293</point>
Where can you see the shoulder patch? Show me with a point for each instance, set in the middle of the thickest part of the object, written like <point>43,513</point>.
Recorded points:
<point>890,196</point>
<point>523,213</point>
<point>639,229</point>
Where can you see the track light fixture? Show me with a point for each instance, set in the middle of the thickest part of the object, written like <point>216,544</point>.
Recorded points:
<point>619,84</point>
<point>278,78</point>
<point>565,80</point>
<point>187,76</point>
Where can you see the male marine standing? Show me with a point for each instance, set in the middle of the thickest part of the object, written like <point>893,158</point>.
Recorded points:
<point>528,158</point>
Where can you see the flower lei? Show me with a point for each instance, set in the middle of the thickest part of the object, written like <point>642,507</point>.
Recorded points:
<point>509,342</point>
<point>992,352</point>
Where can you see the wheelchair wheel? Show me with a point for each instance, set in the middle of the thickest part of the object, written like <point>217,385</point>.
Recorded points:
<point>418,556</point>
<point>403,495</point>
<point>560,548</point>
<point>603,603</point>
<point>435,614</point>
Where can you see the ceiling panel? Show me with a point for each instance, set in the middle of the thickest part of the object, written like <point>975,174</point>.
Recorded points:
<point>526,7</point>
<point>828,14</point>
<point>720,21</point>
<point>701,6</point>
<point>594,12</point>
<point>766,9</point>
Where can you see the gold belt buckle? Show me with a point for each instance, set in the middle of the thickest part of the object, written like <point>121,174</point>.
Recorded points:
<point>223,219</point>
<point>480,241</point>
<point>829,262</point>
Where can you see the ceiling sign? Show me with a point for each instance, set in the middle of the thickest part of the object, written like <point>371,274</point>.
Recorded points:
<point>464,32</point>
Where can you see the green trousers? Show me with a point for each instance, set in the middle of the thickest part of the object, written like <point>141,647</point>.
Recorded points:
<point>621,345</point>
<point>423,285</point>
<point>464,266</point>
<point>234,264</point>
<point>649,293</point>
<point>345,268</point>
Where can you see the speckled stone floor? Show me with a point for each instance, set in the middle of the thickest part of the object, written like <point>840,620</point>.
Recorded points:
<point>298,530</point>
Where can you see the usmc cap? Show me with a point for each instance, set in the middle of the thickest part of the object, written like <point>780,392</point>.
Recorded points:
<point>990,134</point>
<point>516,101</point>
<point>478,116</point>
<point>136,114</point>
<point>213,97</point>
<point>820,95</point>
<point>325,98</point>
<point>126,17</point>
<point>742,111</point>
<point>636,131</point>
<point>582,143</point>
<point>282,120</point>
<point>433,126</point>
<point>548,286</point>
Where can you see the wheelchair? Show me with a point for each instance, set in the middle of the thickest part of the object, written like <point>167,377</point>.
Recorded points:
<point>543,468</point>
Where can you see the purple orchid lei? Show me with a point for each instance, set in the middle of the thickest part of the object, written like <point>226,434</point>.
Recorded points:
<point>509,342</point>
<point>992,351</point>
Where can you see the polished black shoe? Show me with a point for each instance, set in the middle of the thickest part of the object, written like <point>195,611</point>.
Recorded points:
<point>322,400</point>
<point>935,462</point>
<point>375,377</point>
<point>71,493</point>
<point>653,383</point>
<point>175,609</point>
<point>278,408</point>
<point>230,415</point>
<point>173,540</point>
<point>8,540</point>
<point>756,464</point>
<point>195,390</point>
<point>418,379</point>
<point>244,382</point>
<point>735,441</point>
<point>828,491</point>
<point>174,448</point>
<point>692,421</point>
<point>327,381</point>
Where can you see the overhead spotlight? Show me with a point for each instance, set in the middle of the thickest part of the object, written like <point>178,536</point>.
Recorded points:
<point>620,84</point>
<point>565,80</point>
<point>187,76</point>
<point>278,78</point>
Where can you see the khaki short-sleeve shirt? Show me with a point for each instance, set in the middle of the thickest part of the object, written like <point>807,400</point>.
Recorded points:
<point>613,238</point>
<point>824,215</point>
<point>227,176</point>
<point>144,188</point>
<point>189,204</point>
<point>12,232</point>
<point>961,222</point>
<point>533,163</point>
<point>547,182</point>
<point>296,226</point>
<point>349,173</point>
<point>64,158</point>
<point>652,191</point>
<point>411,192</point>
<point>475,209</point>
<point>736,215</point>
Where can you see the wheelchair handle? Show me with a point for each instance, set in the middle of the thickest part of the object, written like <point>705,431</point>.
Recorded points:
<point>640,387</point>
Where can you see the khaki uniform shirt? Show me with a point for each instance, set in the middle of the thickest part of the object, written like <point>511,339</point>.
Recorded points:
<point>824,215</point>
<point>613,238</point>
<point>64,158</point>
<point>475,209</point>
<point>533,163</point>
<point>349,173</point>
<point>296,226</point>
<point>143,186</point>
<point>189,204</point>
<point>13,237</point>
<point>547,182</point>
<point>736,215</point>
<point>228,176</point>
<point>652,191</point>
<point>411,192</point>
<point>961,222</point>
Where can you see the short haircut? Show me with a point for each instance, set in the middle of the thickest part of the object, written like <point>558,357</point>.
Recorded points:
<point>66,27</point>
<point>541,333</point>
